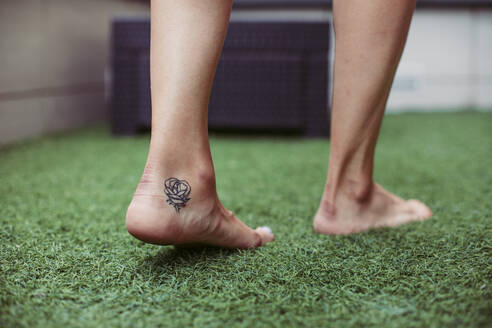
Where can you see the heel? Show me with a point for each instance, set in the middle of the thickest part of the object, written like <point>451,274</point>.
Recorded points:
<point>148,225</point>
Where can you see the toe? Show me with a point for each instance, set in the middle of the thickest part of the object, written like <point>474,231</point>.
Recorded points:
<point>265,234</point>
<point>422,210</point>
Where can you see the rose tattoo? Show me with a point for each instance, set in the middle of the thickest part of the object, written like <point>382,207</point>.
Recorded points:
<point>177,192</point>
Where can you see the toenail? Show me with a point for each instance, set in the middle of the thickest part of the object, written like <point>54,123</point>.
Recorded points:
<point>267,229</point>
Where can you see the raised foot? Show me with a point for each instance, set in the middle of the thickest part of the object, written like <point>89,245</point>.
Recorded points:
<point>203,220</point>
<point>378,208</point>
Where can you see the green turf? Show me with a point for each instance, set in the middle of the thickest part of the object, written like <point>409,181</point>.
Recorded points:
<point>67,261</point>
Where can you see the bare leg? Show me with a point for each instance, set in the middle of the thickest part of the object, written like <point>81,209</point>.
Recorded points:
<point>370,36</point>
<point>187,37</point>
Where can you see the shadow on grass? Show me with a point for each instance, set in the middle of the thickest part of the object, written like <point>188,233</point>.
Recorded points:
<point>171,260</point>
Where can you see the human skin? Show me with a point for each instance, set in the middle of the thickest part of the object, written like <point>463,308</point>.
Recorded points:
<point>186,41</point>
<point>369,40</point>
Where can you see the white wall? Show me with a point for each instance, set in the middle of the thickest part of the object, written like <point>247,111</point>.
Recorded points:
<point>52,57</point>
<point>447,63</point>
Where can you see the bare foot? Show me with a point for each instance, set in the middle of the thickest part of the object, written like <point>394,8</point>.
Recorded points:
<point>155,218</point>
<point>352,212</point>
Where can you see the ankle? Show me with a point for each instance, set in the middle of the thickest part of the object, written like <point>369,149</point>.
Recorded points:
<point>353,194</point>
<point>357,190</point>
<point>200,176</point>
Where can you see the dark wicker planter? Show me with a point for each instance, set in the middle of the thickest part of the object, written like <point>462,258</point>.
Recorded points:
<point>271,76</point>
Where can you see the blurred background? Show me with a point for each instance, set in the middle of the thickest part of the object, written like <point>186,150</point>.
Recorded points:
<point>56,58</point>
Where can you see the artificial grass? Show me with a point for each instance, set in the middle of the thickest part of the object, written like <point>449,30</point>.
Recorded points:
<point>67,260</point>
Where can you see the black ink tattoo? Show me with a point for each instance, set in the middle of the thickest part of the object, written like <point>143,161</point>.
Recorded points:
<point>177,192</point>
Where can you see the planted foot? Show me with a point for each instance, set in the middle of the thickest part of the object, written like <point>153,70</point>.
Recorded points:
<point>350,211</point>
